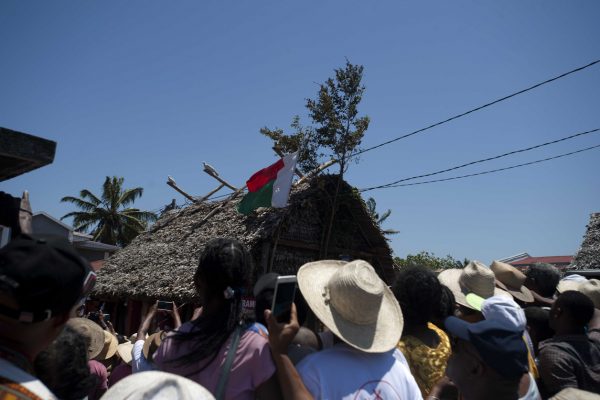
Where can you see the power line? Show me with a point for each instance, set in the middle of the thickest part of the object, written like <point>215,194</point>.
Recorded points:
<point>489,171</point>
<point>475,109</point>
<point>482,160</point>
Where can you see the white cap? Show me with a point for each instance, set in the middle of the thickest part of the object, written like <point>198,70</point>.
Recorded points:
<point>506,311</point>
<point>157,385</point>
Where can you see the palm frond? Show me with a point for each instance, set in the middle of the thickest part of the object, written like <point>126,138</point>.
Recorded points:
<point>84,205</point>
<point>129,196</point>
<point>384,216</point>
<point>145,216</point>
<point>86,194</point>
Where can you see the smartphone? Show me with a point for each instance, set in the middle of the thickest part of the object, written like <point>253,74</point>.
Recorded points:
<point>165,305</point>
<point>285,291</point>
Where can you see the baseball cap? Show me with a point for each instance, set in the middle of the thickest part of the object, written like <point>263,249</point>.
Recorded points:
<point>42,276</point>
<point>499,346</point>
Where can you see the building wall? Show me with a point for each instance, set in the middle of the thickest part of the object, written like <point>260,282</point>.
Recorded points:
<point>42,225</point>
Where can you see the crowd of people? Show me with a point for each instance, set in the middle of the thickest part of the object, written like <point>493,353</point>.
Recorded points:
<point>480,332</point>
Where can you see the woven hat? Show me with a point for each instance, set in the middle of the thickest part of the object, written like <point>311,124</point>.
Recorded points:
<point>511,279</point>
<point>152,343</point>
<point>110,346</point>
<point>474,278</point>
<point>92,332</point>
<point>570,282</point>
<point>156,385</point>
<point>124,350</point>
<point>353,302</point>
<point>591,289</point>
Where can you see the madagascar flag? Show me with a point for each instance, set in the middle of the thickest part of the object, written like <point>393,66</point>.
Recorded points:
<point>270,187</point>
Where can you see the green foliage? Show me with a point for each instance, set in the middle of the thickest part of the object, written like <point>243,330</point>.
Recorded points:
<point>108,217</point>
<point>429,260</point>
<point>337,129</point>
<point>379,219</point>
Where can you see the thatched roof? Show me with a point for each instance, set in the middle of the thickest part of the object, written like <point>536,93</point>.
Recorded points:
<point>588,256</point>
<point>160,262</point>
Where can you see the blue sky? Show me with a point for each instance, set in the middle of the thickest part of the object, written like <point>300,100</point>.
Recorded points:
<point>146,89</point>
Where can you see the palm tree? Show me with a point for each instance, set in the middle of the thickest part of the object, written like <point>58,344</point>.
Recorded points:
<point>108,217</point>
<point>372,210</point>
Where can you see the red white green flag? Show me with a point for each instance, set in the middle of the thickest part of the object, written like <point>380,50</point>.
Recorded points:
<point>270,187</point>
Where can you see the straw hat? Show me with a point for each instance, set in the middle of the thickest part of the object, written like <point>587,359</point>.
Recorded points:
<point>570,282</point>
<point>474,278</point>
<point>109,348</point>
<point>511,279</point>
<point>353,302</point>
<point>156,385</point>
<point>152,343</point>
<point>92,332</point>
<point>591,289</point>
<point>124,350</point>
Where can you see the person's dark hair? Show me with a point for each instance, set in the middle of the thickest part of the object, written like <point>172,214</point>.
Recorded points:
<point>545,277</point>
<point>539,321</point>
<point>447,304</point>
<point>419,293</point>
<point>578,306</point>
<point>63,366</point>
<point>224,264</point>
<point>264,301</point>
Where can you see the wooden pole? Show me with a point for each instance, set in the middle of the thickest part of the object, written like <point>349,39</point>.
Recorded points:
<point>316,171</point>
<point>213,172</point>
<point>216,209</point>
<point>200,200</point>
<point>172,183</point>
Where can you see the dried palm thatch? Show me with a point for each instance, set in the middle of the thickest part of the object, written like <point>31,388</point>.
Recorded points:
<point>160,263</point>
<point>588,256</point>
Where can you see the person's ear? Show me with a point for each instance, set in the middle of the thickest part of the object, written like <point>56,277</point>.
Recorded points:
<point>478,368</point>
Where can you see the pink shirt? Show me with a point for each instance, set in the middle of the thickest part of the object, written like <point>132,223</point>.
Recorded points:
<point>252,365</point>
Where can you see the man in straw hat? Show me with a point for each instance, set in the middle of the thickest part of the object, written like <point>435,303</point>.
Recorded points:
<point>512,280</point>
<point>363,314</point>
<point>42,281</point>
<point>474,278</point>
<point>591,289</point>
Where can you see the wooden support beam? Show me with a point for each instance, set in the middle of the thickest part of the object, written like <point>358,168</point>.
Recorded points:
<point>200,200</point>
<point>172,183</point>
<point>216,209</point>
<point>316,171</point>
<point>213,172</point>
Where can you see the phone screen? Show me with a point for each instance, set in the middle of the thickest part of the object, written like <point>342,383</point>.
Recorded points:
<point>282,302</point>
<point>165,305</point>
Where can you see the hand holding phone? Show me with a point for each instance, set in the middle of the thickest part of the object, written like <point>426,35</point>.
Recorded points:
<point>164,305</point>
<point>285,291</point>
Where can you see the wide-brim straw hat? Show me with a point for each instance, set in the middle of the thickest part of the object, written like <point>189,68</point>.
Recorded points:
<point>124,350</point>
<point>512,280</point>
<point>92,332</point>
<point>157,385</point>
<point>473,278</point>
<point>570,282</point>
<point>152,343</point>
<point>353,302</point>
<point>110,346</point>
<point>591,289</point>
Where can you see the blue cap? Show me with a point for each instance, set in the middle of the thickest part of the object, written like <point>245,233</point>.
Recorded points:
<point>500,347</point>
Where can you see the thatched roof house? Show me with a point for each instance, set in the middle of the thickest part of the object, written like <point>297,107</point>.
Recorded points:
<point>159,264</point>
<point>588,256</point>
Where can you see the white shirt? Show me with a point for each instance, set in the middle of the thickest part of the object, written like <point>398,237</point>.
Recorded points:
<point>138,361</point>
<point>343,372</point>
<point>12,372</point>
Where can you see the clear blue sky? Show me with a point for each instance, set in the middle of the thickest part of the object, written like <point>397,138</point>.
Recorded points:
<point>146,89</point>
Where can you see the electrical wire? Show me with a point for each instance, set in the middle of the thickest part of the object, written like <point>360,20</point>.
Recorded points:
<point>475,109</point>
<point>486,172</point>
<point>483,160</point>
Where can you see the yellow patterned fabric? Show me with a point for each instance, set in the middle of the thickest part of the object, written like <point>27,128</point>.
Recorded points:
<point>428,365</point>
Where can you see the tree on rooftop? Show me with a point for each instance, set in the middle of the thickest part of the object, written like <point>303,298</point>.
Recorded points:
<point>108,217</point>
<point>379,219</point>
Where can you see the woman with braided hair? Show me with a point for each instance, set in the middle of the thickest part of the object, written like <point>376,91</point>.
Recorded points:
<point>199,349</point>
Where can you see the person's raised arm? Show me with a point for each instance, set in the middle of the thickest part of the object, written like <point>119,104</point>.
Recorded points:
<point>280,337</point>
<point>176,317</point>
<point>145,324</point>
